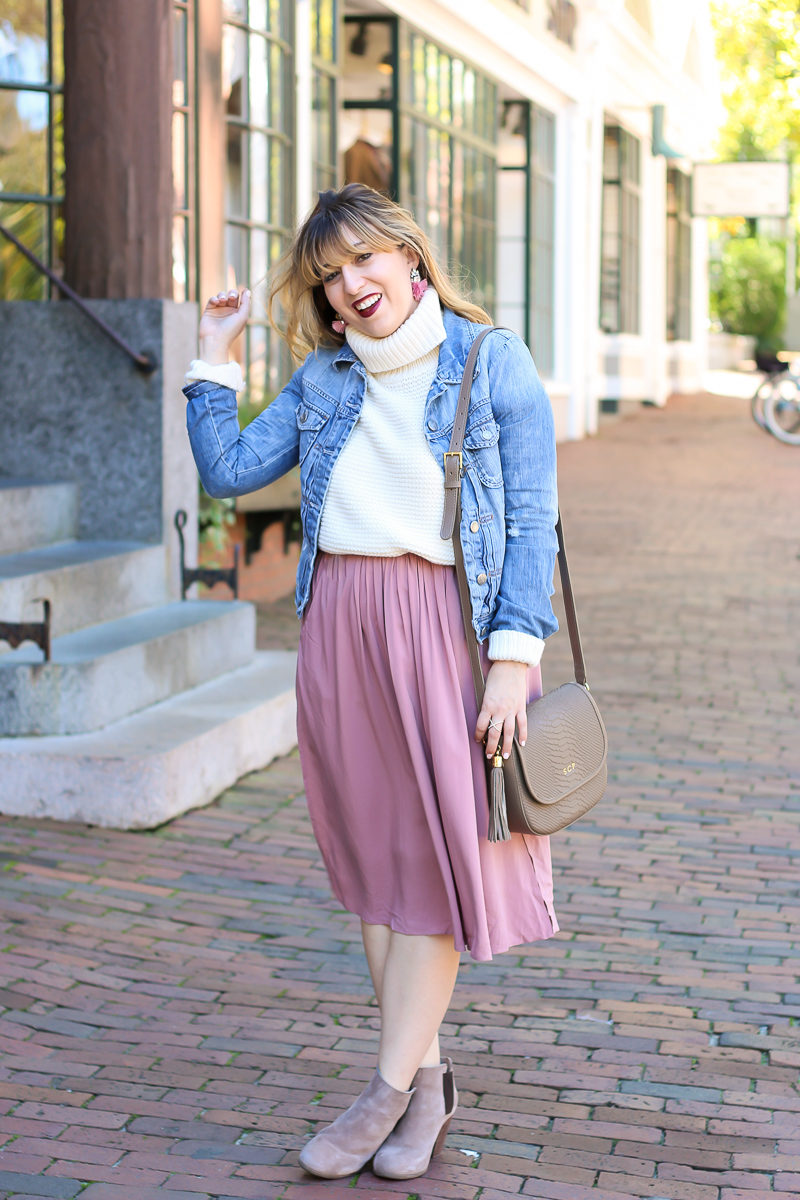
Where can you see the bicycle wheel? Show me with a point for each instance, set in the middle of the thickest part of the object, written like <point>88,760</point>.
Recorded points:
<point>782,410</point>
<point>759,399</point>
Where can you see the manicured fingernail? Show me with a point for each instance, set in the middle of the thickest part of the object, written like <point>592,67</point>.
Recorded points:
<point>505,754</point>
<point>522,743</point>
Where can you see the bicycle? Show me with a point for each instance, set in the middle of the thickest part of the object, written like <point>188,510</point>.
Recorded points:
<point>775,405</point>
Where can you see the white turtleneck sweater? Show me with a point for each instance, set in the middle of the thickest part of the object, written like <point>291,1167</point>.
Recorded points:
<point>385,495</point>
<point>386,492</point>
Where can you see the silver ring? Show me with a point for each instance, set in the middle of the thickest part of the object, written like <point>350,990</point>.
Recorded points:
<point>493,725</point>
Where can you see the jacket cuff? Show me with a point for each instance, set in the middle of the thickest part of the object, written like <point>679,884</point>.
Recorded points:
<point>508,644</point>
<point>225,374</point>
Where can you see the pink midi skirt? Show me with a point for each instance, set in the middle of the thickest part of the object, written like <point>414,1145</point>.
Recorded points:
<point>395,781</point>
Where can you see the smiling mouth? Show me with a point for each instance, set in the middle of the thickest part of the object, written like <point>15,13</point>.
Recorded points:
<point>370,304</point>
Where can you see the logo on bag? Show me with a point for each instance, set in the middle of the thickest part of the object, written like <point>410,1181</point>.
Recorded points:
<point>568,769</point>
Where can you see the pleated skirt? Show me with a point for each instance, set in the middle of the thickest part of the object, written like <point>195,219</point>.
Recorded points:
<point>395,781</point>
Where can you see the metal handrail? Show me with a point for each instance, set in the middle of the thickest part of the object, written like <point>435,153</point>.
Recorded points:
<point>143,362</point>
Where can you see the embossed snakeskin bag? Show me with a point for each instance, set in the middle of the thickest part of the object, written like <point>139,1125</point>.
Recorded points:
<point>560,773</point>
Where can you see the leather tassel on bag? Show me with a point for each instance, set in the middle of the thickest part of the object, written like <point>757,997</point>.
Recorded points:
<point>498,817</point>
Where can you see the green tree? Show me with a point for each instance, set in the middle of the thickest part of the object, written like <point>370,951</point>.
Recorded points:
<point>758,49</point>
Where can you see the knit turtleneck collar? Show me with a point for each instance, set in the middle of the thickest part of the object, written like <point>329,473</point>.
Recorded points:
<point>419,334</point>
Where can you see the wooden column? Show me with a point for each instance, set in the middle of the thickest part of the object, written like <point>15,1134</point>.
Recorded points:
<point>117,143</point>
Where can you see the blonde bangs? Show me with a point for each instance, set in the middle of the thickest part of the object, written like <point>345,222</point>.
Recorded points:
<point>332,245</point>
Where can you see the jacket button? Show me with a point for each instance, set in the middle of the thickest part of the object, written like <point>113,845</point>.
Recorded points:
<point>481,578</point>
<point>432,426</point>
<point>487,433</point>
<point>474,526</point>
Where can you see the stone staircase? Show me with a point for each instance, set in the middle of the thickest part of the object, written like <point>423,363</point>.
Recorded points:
<point>149,705</point>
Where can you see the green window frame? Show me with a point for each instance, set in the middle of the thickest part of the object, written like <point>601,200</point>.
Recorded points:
<point>449,114</point>
<point>679,256</point>
<point>258,91</point>
<point>184,141</point>
<point>324,93</point>
<point>620,250</point>
<point>31,146</point>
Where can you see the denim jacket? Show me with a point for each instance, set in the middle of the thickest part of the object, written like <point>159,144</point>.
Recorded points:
<point>508,489</point>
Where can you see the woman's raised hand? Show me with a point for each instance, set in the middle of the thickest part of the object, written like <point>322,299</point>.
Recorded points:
<point>223,319</point>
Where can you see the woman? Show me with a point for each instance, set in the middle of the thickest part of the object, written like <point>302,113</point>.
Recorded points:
<point>391,742</point>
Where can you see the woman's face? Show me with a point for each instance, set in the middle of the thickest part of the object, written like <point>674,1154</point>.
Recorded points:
<point>372,290</point>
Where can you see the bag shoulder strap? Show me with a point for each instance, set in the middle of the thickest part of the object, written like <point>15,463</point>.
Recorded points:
<point>451,528</point>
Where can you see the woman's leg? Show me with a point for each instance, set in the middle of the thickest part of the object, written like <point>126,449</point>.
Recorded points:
<point>377,939</point>
<point>413,977</point>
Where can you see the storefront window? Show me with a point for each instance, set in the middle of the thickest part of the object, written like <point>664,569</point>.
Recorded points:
<point>526,226</point>
<point>324,61</point>
<point>369,89</point>
<point>679,256</point>
<point>620,249</point>
<point>258,93</point>
<point>184,285</point>
<point>449,118</point>
<point>31,144</point>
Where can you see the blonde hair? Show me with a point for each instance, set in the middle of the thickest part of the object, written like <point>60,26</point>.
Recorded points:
<point>325,239</point>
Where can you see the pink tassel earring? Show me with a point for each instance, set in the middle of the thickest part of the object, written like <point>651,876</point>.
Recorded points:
<point>419,286</point>
<point>338,326</point>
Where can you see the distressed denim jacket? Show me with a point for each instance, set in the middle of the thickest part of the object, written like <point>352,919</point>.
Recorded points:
<point>508,489</point>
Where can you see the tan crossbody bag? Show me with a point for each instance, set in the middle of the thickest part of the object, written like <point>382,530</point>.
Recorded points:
<point>560,772</point>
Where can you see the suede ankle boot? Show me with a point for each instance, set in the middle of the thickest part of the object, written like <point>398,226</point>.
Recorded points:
<point>420,1134</point>
<point>350,1142</point>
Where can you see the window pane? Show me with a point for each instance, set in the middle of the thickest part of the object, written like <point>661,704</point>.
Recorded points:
<point>23,43</point>
<point>367,55</point>
<point>19,279</point>
<point>323,27</point>
<point>179,160</point>
<point>611,153</point>
<point>277,61</point>
<point>180,260</point>
<point>259,204</point>
<point>235,182</point>
<point>179,94</point>
<point>259,257</point>
<point>257,15</point>
<point>234,59</point>
<point>24,120</point>
<point>235,9</point>
<point>236,255</point>
<point>279,184</point>
<point>259,81</point>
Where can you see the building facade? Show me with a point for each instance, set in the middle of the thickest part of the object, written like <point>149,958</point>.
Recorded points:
<point>545,146</point>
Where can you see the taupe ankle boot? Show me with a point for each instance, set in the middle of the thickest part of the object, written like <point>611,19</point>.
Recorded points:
<point>420,1134</point>
<point>353,1138</point>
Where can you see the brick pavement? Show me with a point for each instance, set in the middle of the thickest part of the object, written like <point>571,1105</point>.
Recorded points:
<point>181,1007</point>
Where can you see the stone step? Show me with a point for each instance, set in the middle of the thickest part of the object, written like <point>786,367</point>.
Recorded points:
<point>85,582</point>
<point>101,674</point>
<point>36,514</point>
<point>148,768</point>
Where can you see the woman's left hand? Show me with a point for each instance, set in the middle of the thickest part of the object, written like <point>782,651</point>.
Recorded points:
<point>504,701</point>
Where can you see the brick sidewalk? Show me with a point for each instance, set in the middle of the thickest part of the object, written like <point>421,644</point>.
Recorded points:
<point>178,1005</point>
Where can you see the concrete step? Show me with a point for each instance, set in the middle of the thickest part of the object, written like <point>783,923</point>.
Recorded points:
<point>86,582</point>
<point>36,514</point>
<point>148,768</point>
<point>101,674</point>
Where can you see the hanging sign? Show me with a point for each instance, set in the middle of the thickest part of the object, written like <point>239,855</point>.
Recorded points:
<point>741,189</point>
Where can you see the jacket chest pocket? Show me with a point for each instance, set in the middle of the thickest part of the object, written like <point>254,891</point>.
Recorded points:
<point>482,450</point>
<point>311,420</point>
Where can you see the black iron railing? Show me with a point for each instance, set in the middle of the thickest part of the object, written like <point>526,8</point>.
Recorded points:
<point>143,362</point>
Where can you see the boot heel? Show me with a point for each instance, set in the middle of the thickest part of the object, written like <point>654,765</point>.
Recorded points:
<point>440,1140</point>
